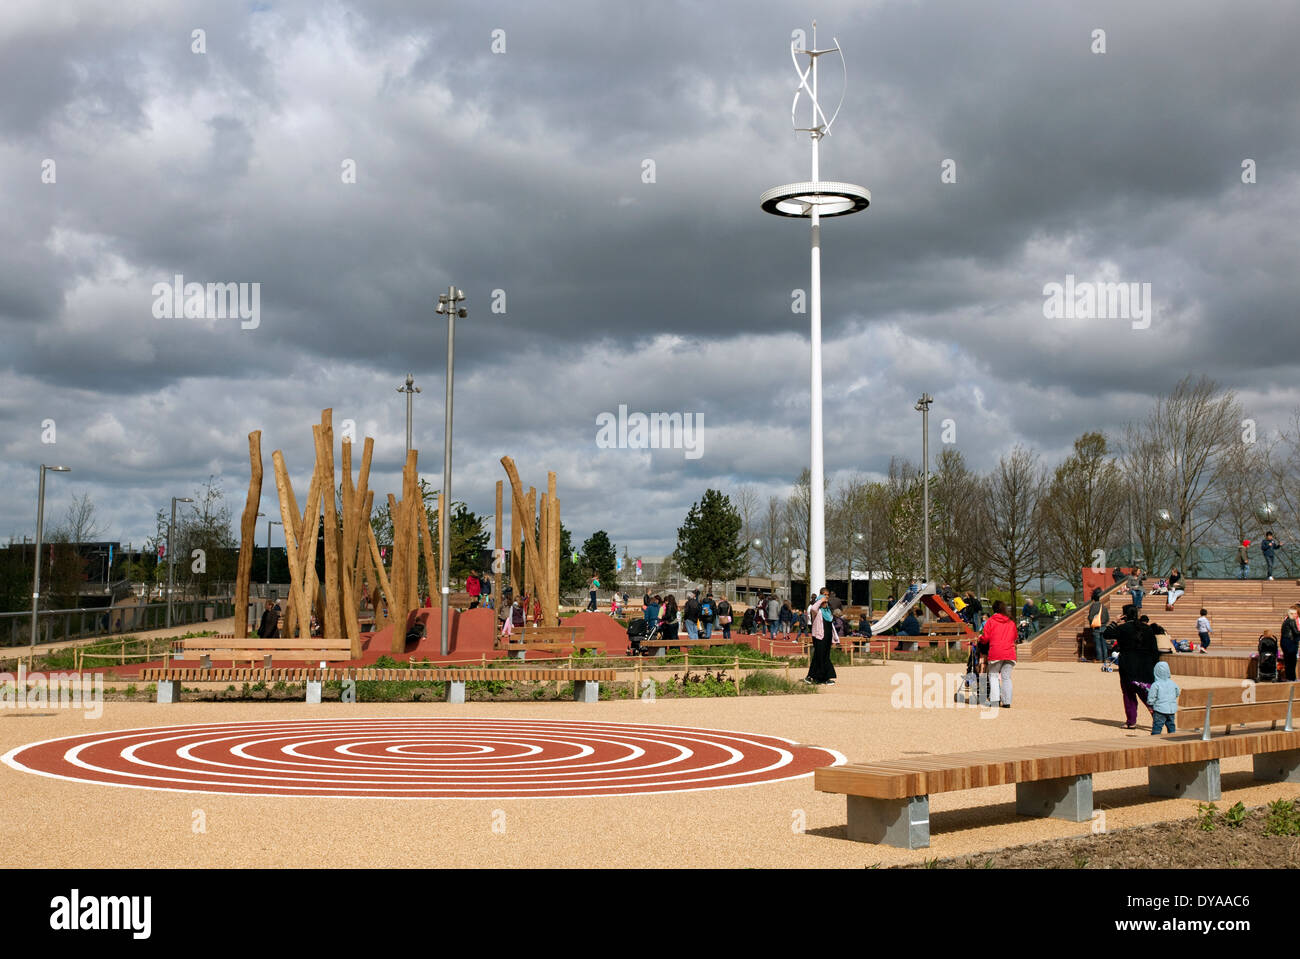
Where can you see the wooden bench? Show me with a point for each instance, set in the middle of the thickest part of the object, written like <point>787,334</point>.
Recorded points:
<point>661,646</point>
<point>1229,706</point>
<point>889,802</point>
<point>548,639</point>
<point>586,682</point>
<point>292,649</point>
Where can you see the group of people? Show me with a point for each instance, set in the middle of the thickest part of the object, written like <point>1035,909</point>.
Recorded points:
<point>700,615</point>
<point>1268,547</point>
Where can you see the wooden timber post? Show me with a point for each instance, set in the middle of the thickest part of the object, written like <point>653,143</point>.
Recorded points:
<point>248,533</point>
<point>533,561</point>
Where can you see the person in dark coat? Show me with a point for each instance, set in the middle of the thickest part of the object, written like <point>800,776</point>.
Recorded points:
<point>269,627</point>
<point>1138,655</point>
<point>1290,641</point>
<point>821,671</point>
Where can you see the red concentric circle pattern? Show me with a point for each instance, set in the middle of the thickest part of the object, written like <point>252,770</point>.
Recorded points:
<point>405,758</point>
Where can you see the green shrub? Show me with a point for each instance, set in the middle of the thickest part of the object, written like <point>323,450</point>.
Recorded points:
<point>1205,816</point>
<point>1283,819</point>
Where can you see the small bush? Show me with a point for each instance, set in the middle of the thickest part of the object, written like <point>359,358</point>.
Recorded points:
<point>1235,816</point>
<point>1283,819</point>
<point>1205,813</point>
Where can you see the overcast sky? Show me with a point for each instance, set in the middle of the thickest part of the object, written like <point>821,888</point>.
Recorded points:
<point>523,170</point>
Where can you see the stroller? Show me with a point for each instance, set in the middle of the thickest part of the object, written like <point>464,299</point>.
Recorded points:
<point>1266,670</point>
<point>974,687</point>
<point>639,631</point>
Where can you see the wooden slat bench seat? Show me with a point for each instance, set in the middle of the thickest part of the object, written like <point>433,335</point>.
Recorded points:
<point>549,639</point>
<point>661,646</point>
<point>889,802</point>
<point>586,682</point>
<point>1229,706</point>
<point>289,649</point>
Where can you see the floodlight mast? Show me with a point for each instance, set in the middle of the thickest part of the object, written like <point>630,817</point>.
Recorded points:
<point>813,200</point>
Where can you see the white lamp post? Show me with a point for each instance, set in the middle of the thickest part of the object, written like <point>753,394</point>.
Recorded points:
<point>812,200</point>
<point>447,306</point>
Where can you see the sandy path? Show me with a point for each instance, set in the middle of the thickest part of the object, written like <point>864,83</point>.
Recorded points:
<point>48,822</point>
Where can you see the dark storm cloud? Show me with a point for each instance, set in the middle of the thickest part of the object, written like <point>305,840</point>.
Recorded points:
<point>522,172</point>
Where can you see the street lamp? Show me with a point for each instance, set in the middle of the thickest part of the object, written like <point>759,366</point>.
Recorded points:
<point>923,404</point>
<point>813,200</point>
<point>171,557</point>
<point>409,389</point>
<point>789,558</point>
<point>269,524</point>
<point>857,539</point>
<point>447,307</point>
<point>40,524</point>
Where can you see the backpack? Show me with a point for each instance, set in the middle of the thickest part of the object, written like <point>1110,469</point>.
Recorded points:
<point>706,611</point>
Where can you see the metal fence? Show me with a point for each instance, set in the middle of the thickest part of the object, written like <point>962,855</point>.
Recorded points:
<point>60,624</point>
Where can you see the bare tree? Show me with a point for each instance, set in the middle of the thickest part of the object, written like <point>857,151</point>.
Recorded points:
<point>80,522</point>
<point>1244,485</point>
<point>1284,472</point>
<point>1147,491</point>
<point>897,534</point>
<point>773,529</point>
<point>1194,428</point>
<point>1081,509</point>
<point>846,516</point>
<point>747,503</point>
<point>956,521</point>
<point>1011,511</point>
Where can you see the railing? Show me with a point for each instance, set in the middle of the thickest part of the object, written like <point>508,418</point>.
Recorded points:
<point>59,624</point>
<point>1042,641</point>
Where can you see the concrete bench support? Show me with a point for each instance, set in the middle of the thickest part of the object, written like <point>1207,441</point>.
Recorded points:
<point>586,691</point>
<point>1187,781</point>
<point>904,823</point>
<point>1067,798</point>
<point>1281,767</point>
<point>908,646</point>
<point>455,691</point>
<point>518,653</point>
<point>313,691</point>
<point>169,691</point>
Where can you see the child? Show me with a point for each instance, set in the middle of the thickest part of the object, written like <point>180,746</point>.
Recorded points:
<point>1203,630</point>
<point>1162,697</point>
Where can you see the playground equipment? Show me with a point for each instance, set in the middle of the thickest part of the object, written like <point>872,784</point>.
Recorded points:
<point>926,593</point>
<point>541,572</point>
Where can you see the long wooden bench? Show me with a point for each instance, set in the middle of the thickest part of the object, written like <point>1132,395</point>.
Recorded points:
<point>889,802</point>
<point>548,639</point>
<point>586,682</point>
<point>269,651</point>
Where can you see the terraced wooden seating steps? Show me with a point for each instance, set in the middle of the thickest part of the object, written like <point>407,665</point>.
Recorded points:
<point>889,802</point>
<point>269,651</point>
<point>586,682</point>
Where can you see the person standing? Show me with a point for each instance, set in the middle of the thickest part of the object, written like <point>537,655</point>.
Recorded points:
<point>269,626</point>
<point>486,580</point>
<point>651,611</point>
<point>1290,641</point>
<point>821,671</point>
<point>786,618</point>
<point>708,612</point>
<point>1162,699</point>
<point>474,588</point>
<point>668,618</point>
<point>1138,655</point>
<point>773,614</point>
<point>1030,612</point>
<point>691,614</point>
<point>1001,635</point>
<point>592,604</point>
<point>1269,549</point>
<point>1203,630</point>
<point>1243,560</point>
<point>724,617</point>
<point>1098,618</point>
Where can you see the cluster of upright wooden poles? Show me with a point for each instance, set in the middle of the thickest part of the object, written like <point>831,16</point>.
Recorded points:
<point>540,554</point>
<point>354,565</point>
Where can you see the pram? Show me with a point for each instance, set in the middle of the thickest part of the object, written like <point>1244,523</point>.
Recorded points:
<point>973,685</point>
<point>641,631</point>
<point>1266,670</point>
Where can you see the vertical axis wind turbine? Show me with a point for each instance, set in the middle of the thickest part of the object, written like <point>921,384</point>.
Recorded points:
<point>814,199</point>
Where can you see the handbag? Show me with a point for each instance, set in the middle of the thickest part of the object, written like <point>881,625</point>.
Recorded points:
<point>724,620</point>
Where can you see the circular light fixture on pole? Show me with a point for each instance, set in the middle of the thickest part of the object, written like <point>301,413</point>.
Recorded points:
<point>813,199</point>
<point>447,307</point>
<point>36,557</point>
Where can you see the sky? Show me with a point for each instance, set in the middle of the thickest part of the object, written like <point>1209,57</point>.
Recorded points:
<point>588,173</point>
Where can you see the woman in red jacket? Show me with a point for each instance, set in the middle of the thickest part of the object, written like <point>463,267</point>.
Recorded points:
<point>1000,633</point>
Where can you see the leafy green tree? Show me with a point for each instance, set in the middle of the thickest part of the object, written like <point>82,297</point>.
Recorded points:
<point>708,544</point>
<point>599,559</point>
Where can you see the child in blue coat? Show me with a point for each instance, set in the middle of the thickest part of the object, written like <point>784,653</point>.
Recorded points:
<point>1162,697</point>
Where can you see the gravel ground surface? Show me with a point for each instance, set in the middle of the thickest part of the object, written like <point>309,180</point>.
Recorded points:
<point>49,822</point>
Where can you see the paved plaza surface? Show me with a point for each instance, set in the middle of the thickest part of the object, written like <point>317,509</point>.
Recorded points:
<point>47,821</point>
